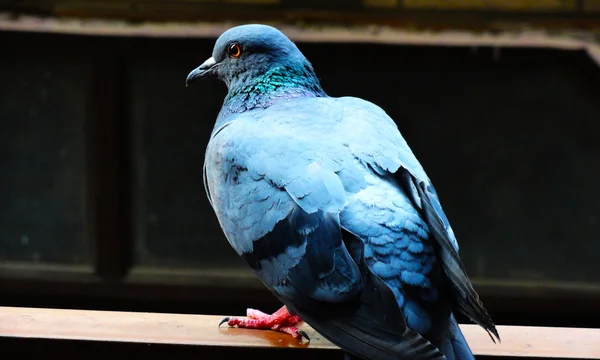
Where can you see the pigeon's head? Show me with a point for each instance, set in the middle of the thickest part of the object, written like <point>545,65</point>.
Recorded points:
<point>247,52</point>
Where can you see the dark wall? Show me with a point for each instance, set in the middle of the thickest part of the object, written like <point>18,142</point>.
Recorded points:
<point>101,151</point>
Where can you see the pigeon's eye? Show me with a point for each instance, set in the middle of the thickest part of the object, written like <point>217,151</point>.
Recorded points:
<point>235,50</point>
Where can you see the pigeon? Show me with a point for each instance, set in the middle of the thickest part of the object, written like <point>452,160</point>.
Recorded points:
<point>326,202</point>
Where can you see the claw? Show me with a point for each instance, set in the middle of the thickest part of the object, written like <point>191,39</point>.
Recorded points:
<point>304,335</point>
<point>281,321</point>
<point>224,320</point>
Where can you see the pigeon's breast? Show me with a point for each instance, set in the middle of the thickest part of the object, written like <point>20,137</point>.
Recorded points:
<point>245,201</point>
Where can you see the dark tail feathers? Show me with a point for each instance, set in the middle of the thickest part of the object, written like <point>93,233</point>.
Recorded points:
<point>453,345</point>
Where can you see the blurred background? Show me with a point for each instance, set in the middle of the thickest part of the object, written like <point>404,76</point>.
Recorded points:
<point>102,204</point>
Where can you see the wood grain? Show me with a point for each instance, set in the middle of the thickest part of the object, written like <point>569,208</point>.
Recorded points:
<point>202,330</point>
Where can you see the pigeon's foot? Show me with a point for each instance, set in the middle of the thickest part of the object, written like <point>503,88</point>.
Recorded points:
<point>281,321</point>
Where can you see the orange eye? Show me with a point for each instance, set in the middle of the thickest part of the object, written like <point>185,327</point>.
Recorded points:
<point>235,50</point>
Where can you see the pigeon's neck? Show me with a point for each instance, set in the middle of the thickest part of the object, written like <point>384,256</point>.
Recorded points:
<point>278,84</point>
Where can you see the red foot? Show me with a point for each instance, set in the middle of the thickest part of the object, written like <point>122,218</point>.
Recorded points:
<point>281,321</point>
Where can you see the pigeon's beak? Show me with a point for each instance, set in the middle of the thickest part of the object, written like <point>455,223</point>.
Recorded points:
<point>203,71</point>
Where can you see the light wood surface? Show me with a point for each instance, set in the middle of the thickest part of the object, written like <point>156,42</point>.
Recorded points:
<point>202,330</point>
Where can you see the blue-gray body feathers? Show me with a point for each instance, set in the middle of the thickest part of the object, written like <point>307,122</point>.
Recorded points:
<point>326,202</point>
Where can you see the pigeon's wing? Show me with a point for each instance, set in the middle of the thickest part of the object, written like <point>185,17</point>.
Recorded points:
<point>370,325</point>
<point>390,154</point>
<point>278,203</point>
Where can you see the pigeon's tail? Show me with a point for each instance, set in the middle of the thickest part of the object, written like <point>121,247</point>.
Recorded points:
<point>454,345</point>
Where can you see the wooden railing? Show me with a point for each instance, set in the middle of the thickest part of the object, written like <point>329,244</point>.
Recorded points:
<point>98,334</point>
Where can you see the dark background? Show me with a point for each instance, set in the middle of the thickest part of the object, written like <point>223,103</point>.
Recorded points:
<point>102,204</point>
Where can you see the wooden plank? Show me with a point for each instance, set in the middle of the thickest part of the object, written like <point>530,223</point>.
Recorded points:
<point>303,33</point>
<point>202,330</point>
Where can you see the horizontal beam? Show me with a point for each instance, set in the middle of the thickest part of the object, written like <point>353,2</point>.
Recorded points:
<point>202,330</point>
<point>565,40</point>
